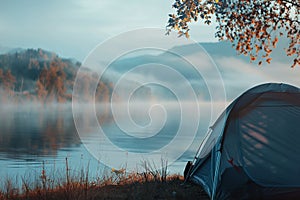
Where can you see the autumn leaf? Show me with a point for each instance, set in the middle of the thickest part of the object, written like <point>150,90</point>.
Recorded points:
<point>253,25</point>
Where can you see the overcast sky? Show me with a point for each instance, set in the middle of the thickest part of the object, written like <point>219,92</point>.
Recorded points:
<point>73,28</point>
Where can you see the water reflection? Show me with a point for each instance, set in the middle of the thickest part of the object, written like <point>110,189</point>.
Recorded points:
<point>33,134</point>
<point>36,131</point>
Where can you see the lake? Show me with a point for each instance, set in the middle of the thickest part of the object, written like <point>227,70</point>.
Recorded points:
<point>35,135</point>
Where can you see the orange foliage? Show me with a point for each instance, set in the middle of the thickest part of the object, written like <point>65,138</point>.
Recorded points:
<point>252,26</point>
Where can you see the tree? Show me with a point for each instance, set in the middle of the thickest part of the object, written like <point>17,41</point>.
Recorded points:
<point>41,90</point>
<point>51,82</point>
<point>55,80</point>
<point>1,76</point>
<point>9,81</point>
<point>102,92</point>
<point>252,26</point>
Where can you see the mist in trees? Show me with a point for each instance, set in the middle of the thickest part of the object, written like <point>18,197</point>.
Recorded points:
<point>41,76</point>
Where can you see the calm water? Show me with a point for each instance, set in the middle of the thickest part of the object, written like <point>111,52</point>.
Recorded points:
<point>33,135</point>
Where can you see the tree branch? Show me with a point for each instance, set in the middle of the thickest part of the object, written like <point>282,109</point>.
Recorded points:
<point>292,3</point>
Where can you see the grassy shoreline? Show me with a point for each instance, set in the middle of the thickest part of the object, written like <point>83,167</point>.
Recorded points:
<point>138,189</point>
<point>151,183</point>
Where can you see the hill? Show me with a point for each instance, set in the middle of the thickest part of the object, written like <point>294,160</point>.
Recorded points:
<point>39,75</point>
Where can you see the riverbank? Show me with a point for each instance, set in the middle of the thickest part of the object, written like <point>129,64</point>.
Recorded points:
<point>131,186</point>
<point>150,183</point>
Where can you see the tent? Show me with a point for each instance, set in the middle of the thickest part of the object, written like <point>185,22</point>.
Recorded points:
<point>253,149</point>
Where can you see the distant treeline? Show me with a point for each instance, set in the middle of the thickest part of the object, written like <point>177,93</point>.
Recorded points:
<point>42,76</point>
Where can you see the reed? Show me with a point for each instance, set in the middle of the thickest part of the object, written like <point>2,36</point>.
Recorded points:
<point>151,183</point>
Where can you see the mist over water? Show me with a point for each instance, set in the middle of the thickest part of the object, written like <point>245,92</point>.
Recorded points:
<point>33,134</point>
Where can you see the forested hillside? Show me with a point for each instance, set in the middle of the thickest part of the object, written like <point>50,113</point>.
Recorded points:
<point>42,76</point>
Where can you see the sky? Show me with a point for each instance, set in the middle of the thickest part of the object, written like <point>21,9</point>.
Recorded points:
<point>73,28</point>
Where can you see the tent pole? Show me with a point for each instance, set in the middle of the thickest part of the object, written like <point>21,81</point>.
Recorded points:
<point>216,174</point>
<point>197,154</point>
<point>203,143</point>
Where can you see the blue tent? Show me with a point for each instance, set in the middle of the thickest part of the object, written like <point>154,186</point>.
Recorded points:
<point>253,149</point>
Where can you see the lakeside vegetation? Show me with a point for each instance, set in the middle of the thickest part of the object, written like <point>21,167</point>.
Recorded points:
<point>150,183</point>
<point>37,75</point>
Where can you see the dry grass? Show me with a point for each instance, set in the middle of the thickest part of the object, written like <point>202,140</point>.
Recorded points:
<point>152,183</point>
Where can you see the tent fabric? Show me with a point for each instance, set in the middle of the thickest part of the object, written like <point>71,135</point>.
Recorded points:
<point>253,149</point>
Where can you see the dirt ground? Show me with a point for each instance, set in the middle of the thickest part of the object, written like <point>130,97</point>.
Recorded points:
<point>153,190</point>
